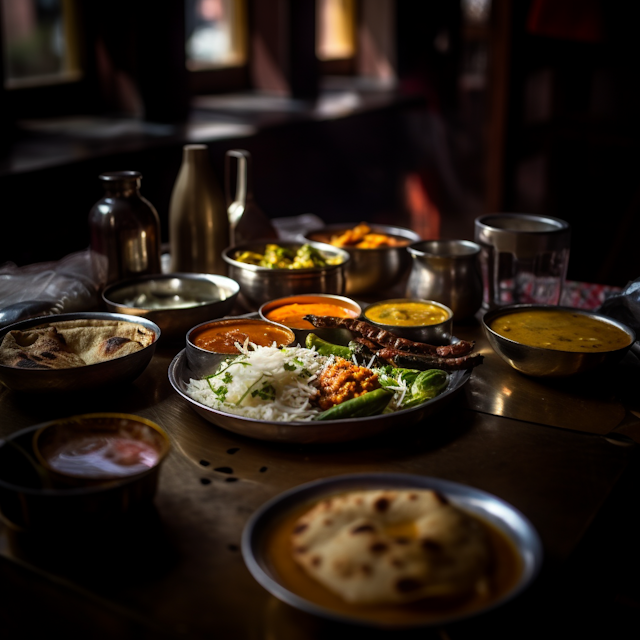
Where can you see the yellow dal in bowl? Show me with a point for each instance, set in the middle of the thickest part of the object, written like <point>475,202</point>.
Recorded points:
<point>560,330</point>
<point>406,314</point>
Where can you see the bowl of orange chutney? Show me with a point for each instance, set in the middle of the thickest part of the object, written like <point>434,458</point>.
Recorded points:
<point>291,310</point>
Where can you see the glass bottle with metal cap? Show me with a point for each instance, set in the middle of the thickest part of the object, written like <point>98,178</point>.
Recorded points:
<point>125,229</point>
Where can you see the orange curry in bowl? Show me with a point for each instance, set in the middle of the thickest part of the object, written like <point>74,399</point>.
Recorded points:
<point>292,315</point>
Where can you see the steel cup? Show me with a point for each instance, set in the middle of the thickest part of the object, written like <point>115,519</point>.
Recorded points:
<point>448,272</point>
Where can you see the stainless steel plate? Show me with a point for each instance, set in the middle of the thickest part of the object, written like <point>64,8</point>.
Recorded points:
<point>508,520</point>
<point>312,432</point>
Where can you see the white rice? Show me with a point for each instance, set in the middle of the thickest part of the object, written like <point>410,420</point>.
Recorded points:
<point>264,383</point>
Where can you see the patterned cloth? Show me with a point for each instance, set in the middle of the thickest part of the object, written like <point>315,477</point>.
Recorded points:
<point>584,295</point>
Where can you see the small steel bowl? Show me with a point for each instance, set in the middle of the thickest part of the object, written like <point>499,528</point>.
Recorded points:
<point>203,362</point>
<point>336,336</point>
<point>30,500</point>
<point>261,284</point>
<point>50,439</point>
<point>372,270</point>
<point>436,334</point>
<point>174,301</point>
<point>550,363</point>
<point>93,376</point>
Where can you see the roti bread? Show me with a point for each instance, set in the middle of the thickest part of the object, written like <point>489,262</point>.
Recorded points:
<point>100,340</point>
<point>37,349</point>
<point>385,547</point>
<point>73,343</point>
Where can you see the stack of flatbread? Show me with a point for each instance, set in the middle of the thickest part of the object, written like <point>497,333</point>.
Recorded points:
<point>386,547</point>
<point>72,343</point>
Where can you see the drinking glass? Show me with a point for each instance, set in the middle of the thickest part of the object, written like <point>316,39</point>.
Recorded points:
<point>524,258</point>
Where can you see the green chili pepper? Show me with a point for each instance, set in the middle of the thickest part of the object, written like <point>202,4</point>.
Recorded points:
<point>368,404</point>
<point>326,348</point>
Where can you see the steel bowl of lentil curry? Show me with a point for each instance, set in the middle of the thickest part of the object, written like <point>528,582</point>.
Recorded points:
<point>546,341</point>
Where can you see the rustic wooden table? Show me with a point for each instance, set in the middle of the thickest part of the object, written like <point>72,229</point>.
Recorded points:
<point>556,451</point>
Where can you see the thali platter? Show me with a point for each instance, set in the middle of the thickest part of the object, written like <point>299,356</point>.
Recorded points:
<point>270,523</point>
<point>312,432</point>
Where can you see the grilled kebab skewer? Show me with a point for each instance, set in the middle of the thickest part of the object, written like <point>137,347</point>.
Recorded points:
<point>400,351</point>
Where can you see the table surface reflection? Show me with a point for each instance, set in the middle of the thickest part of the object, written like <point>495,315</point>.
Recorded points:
<point>555,451</point>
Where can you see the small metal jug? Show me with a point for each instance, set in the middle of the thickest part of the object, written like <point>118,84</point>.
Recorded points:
<point>447,271</point>
<point>247,221</point>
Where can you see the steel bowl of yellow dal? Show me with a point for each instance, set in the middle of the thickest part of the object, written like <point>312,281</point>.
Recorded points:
<point>547,341</point>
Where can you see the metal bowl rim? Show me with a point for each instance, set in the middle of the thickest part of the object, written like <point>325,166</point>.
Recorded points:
<point>494,314</point>
<point>321,246</point>
<point>202,277</point>
<point>415,250</point>
<point>80,315</point>
<point>528,543</point>
<point>391,327</point>
<point>562,226</point>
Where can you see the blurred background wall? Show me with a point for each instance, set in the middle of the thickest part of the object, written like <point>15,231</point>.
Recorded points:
<point>423,114</point>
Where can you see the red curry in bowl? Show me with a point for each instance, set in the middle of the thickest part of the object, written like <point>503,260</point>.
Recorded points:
<point>221,336</point>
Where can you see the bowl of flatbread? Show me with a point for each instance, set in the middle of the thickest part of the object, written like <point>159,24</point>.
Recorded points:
<point>391,550</point>
<point>75,351</point>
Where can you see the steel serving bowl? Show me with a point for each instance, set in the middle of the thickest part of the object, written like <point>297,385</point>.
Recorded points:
<point>494,511</point>
<point>174,301</point>
<point>203,362</point>
<point>551,363</point>
<point>30,500</point>
<point>436,334</point>
<point>372,270</point>
<point>261,284</point>
<point>318,432</point>
<point>336,335</point>
<point>94,376</point>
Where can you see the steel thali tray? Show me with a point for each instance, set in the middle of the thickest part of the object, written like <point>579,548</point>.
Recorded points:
<point>327,431</point>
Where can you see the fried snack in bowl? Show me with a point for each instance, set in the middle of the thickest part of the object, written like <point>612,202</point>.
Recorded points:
<point>379,256</point>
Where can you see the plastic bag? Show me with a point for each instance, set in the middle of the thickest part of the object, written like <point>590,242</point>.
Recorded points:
<point>625,307</point>
<point>44,288</point>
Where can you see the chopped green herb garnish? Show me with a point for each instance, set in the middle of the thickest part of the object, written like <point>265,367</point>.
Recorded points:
<point>221,392</point>
<point>244,395</point>
<point>267,392</point>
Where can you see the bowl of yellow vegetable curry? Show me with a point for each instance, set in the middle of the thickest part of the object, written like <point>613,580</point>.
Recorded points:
<point>555,342</point>
<point>266,270</point>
